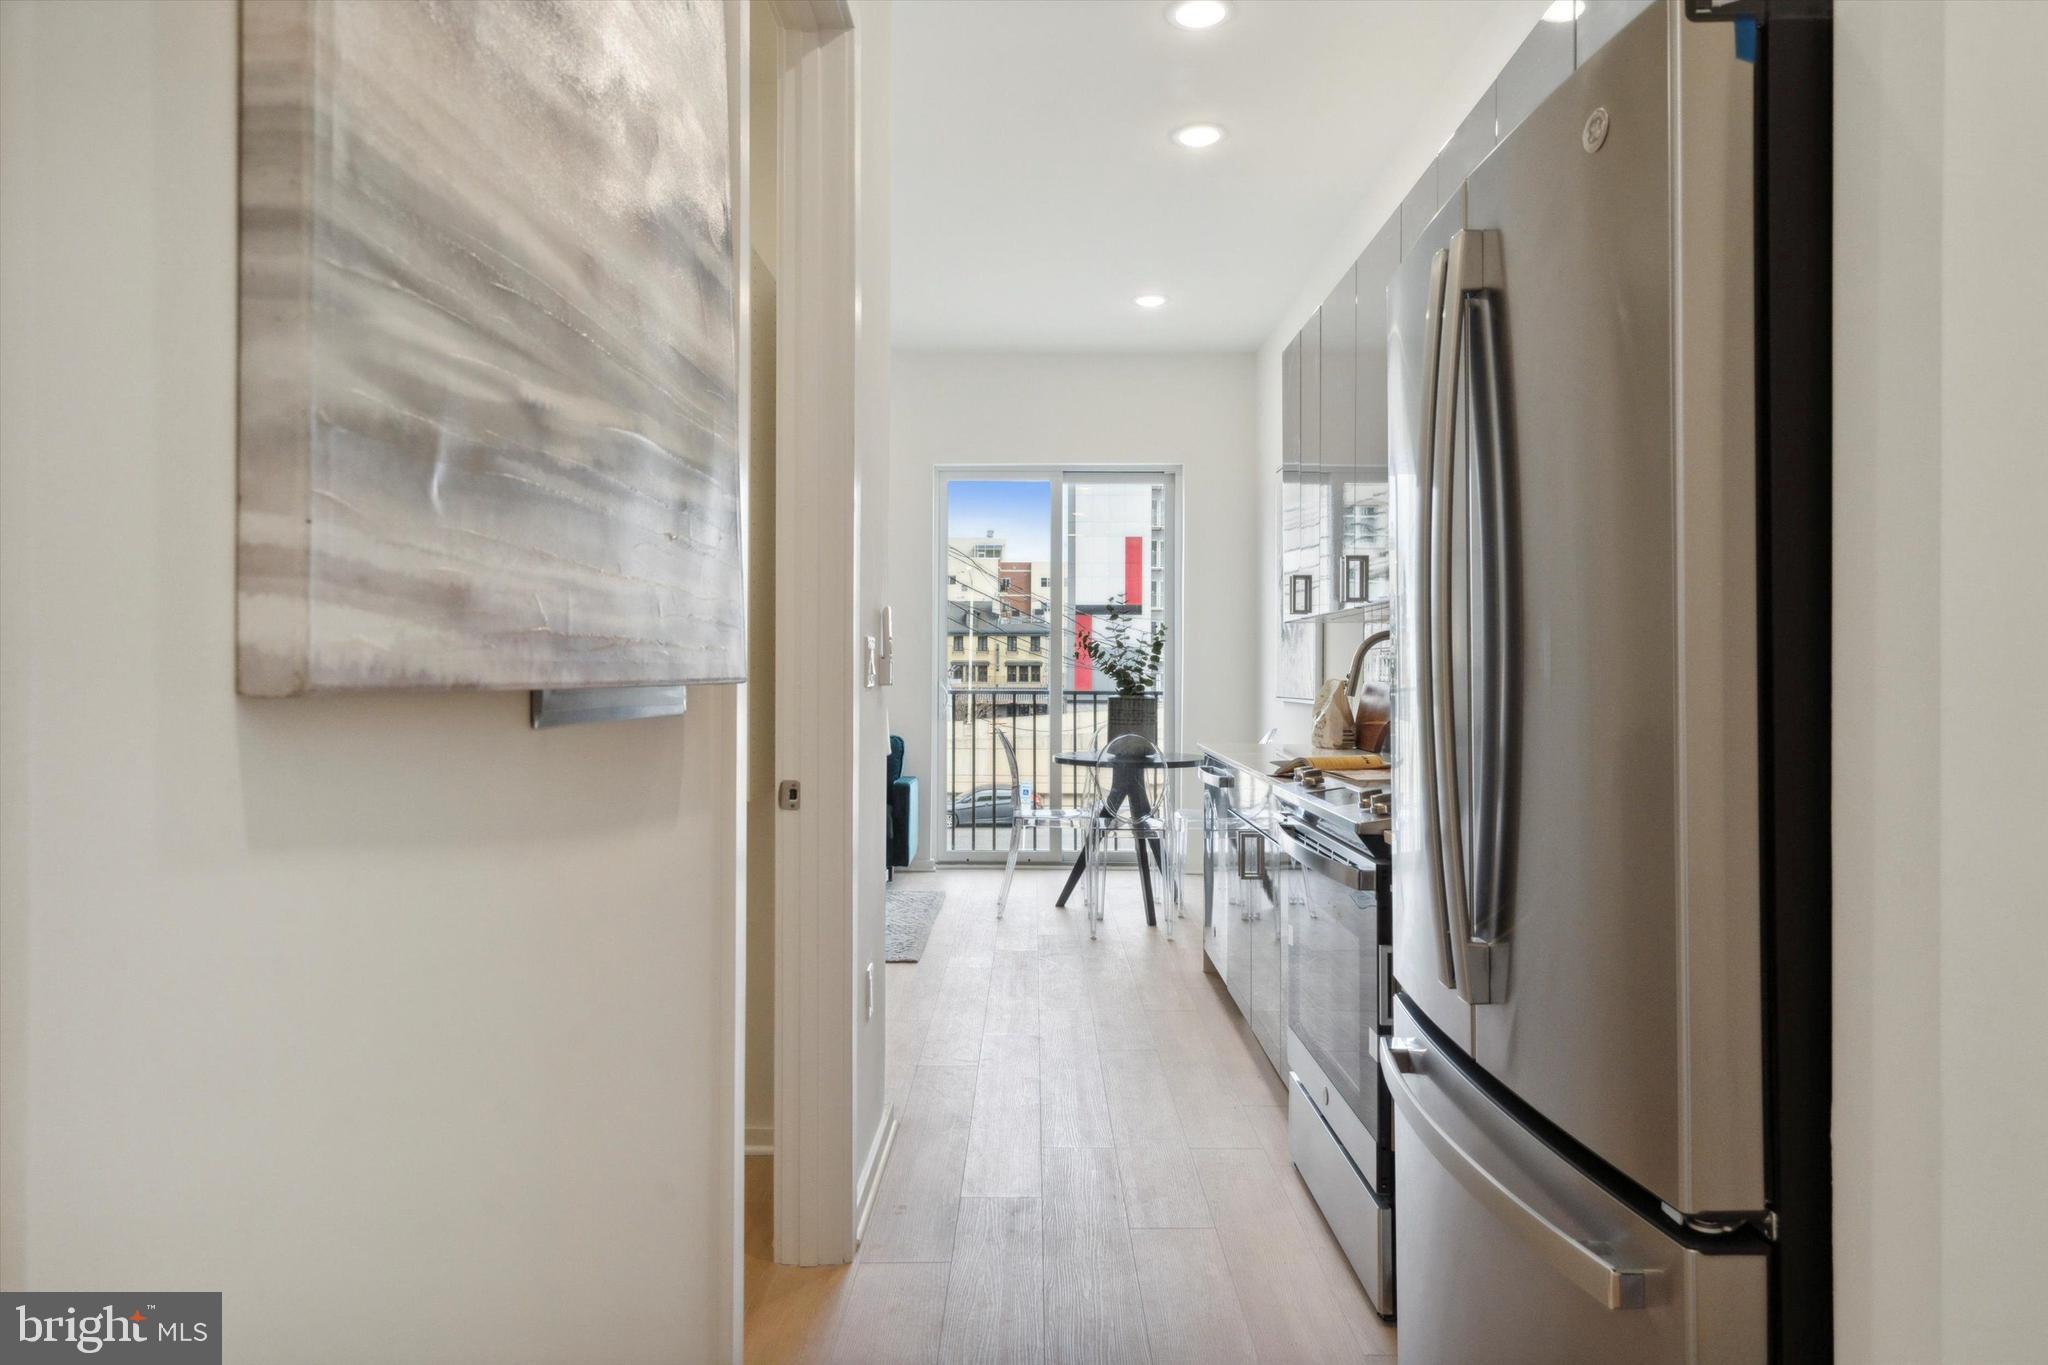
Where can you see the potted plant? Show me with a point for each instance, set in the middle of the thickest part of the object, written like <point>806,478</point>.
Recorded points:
<point>1130,659</point>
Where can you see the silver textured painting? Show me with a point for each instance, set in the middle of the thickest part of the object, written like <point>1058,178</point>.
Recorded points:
<point>490,380</point>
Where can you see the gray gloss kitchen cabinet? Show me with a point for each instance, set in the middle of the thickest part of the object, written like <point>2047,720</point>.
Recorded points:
<point>1260,876</point>
<point>1265,927</point>
<point>1418,208</point>
<point>1290,403</point>
<point>1304,492</point>
<point>1363,524</point>
<point>1474,138</point>
<point>1243,862</point>
<point>1338,428</point>
<point>1312,391</point>
<point>1539,66</point>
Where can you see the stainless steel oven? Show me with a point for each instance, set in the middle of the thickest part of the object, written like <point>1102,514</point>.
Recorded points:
<point>1340,1117</point>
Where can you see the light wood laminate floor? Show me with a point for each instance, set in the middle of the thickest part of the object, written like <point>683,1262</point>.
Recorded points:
<point>1091,1164</point>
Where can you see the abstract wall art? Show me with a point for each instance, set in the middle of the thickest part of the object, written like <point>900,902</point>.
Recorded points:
<point>489,369</point>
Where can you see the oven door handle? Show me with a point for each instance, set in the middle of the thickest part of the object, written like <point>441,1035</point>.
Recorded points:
<point>1346,874</point>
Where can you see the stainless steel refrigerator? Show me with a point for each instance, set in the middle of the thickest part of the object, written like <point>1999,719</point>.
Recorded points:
<point>1584,1050</point>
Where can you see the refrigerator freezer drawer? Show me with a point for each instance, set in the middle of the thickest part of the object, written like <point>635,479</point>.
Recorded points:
<point>1364,1226</point>
<point>1510,1255</point>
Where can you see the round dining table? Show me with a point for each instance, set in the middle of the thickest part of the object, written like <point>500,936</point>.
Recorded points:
<point>1126,785</point>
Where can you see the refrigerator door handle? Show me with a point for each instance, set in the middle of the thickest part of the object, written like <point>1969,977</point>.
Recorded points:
<point>1492,630</point>
<point>1607,1284</point>
<point>1427,717</point>
<point>1471,969</point>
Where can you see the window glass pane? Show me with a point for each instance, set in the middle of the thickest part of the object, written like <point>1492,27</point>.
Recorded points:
<point>1116,572</point>
<point>998,567</point>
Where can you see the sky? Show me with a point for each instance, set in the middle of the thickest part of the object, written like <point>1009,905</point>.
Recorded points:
<point>1018,511</point>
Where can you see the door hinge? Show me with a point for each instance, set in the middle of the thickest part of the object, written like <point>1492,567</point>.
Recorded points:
<point>1763,1222</point>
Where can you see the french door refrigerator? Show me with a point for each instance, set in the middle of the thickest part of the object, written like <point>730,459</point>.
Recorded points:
<point>1587,1058</point>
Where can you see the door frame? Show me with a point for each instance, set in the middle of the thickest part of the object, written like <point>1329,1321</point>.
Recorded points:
<point>821,1182</point>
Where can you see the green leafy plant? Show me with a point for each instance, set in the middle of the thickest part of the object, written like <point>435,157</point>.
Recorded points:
<point>1130,659</point>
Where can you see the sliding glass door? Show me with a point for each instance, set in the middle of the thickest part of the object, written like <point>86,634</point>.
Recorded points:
<point>1033,561</point>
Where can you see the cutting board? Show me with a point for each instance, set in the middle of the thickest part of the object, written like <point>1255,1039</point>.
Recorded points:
<point>1344,760</point>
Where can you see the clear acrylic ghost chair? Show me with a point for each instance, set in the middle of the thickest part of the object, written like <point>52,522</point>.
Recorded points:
<point>1023,818</point>
<point>1130,765</point>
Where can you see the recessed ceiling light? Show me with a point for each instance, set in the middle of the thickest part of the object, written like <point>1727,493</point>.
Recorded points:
<point>1564,11</point>
<point>1198,135</point>
<point>1150,300</point>
<point>1197,13</point>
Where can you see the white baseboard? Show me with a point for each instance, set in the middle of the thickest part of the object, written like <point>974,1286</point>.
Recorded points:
<point>871,1172</point>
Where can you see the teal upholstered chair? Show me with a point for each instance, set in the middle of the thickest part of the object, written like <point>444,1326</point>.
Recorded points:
<point>902,820</point>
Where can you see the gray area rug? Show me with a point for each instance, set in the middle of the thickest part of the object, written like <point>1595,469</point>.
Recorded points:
<point>911,914</point>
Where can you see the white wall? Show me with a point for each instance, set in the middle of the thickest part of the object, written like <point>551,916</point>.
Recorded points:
<point>995,408</point>
<point>875,519</point>
<point>1941,1053</point>
<point>1888,340</point>
<point>408,1028</point>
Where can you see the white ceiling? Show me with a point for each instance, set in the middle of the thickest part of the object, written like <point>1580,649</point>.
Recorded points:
<point>1036,191</point>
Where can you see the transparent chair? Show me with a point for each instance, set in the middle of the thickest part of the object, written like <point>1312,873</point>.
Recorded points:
<point>1131,789</point>
<point>1023,818</point>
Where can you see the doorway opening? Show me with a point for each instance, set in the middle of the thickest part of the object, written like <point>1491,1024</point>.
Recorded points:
<point>1034,561</point>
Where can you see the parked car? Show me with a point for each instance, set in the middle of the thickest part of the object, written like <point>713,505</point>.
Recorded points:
<point>985,806</point>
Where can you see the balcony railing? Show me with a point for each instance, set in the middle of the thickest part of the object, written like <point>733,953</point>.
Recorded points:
<point>976,805</point>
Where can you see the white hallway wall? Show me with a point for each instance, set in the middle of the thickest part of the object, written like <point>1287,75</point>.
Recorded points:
<point>405,1026</point>
<point>993,408</point>
<point>1941,481</point>
<point>875,522</point>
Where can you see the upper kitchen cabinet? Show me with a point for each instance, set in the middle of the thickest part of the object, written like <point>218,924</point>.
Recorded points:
<point>1312,391</point>
<point>1305,540</point>
<point>1339,382</point>
<point>1539,66</point>
<point>1306,532</point>
<point>1599,20</point>
<point>1290,404</point>
<point>1418,208</point>
<point>1375,267</point>
<point>1468,146</point>
<point>1362,571</point>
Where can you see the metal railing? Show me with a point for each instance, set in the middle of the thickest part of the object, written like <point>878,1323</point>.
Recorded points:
<point>976,805</point>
